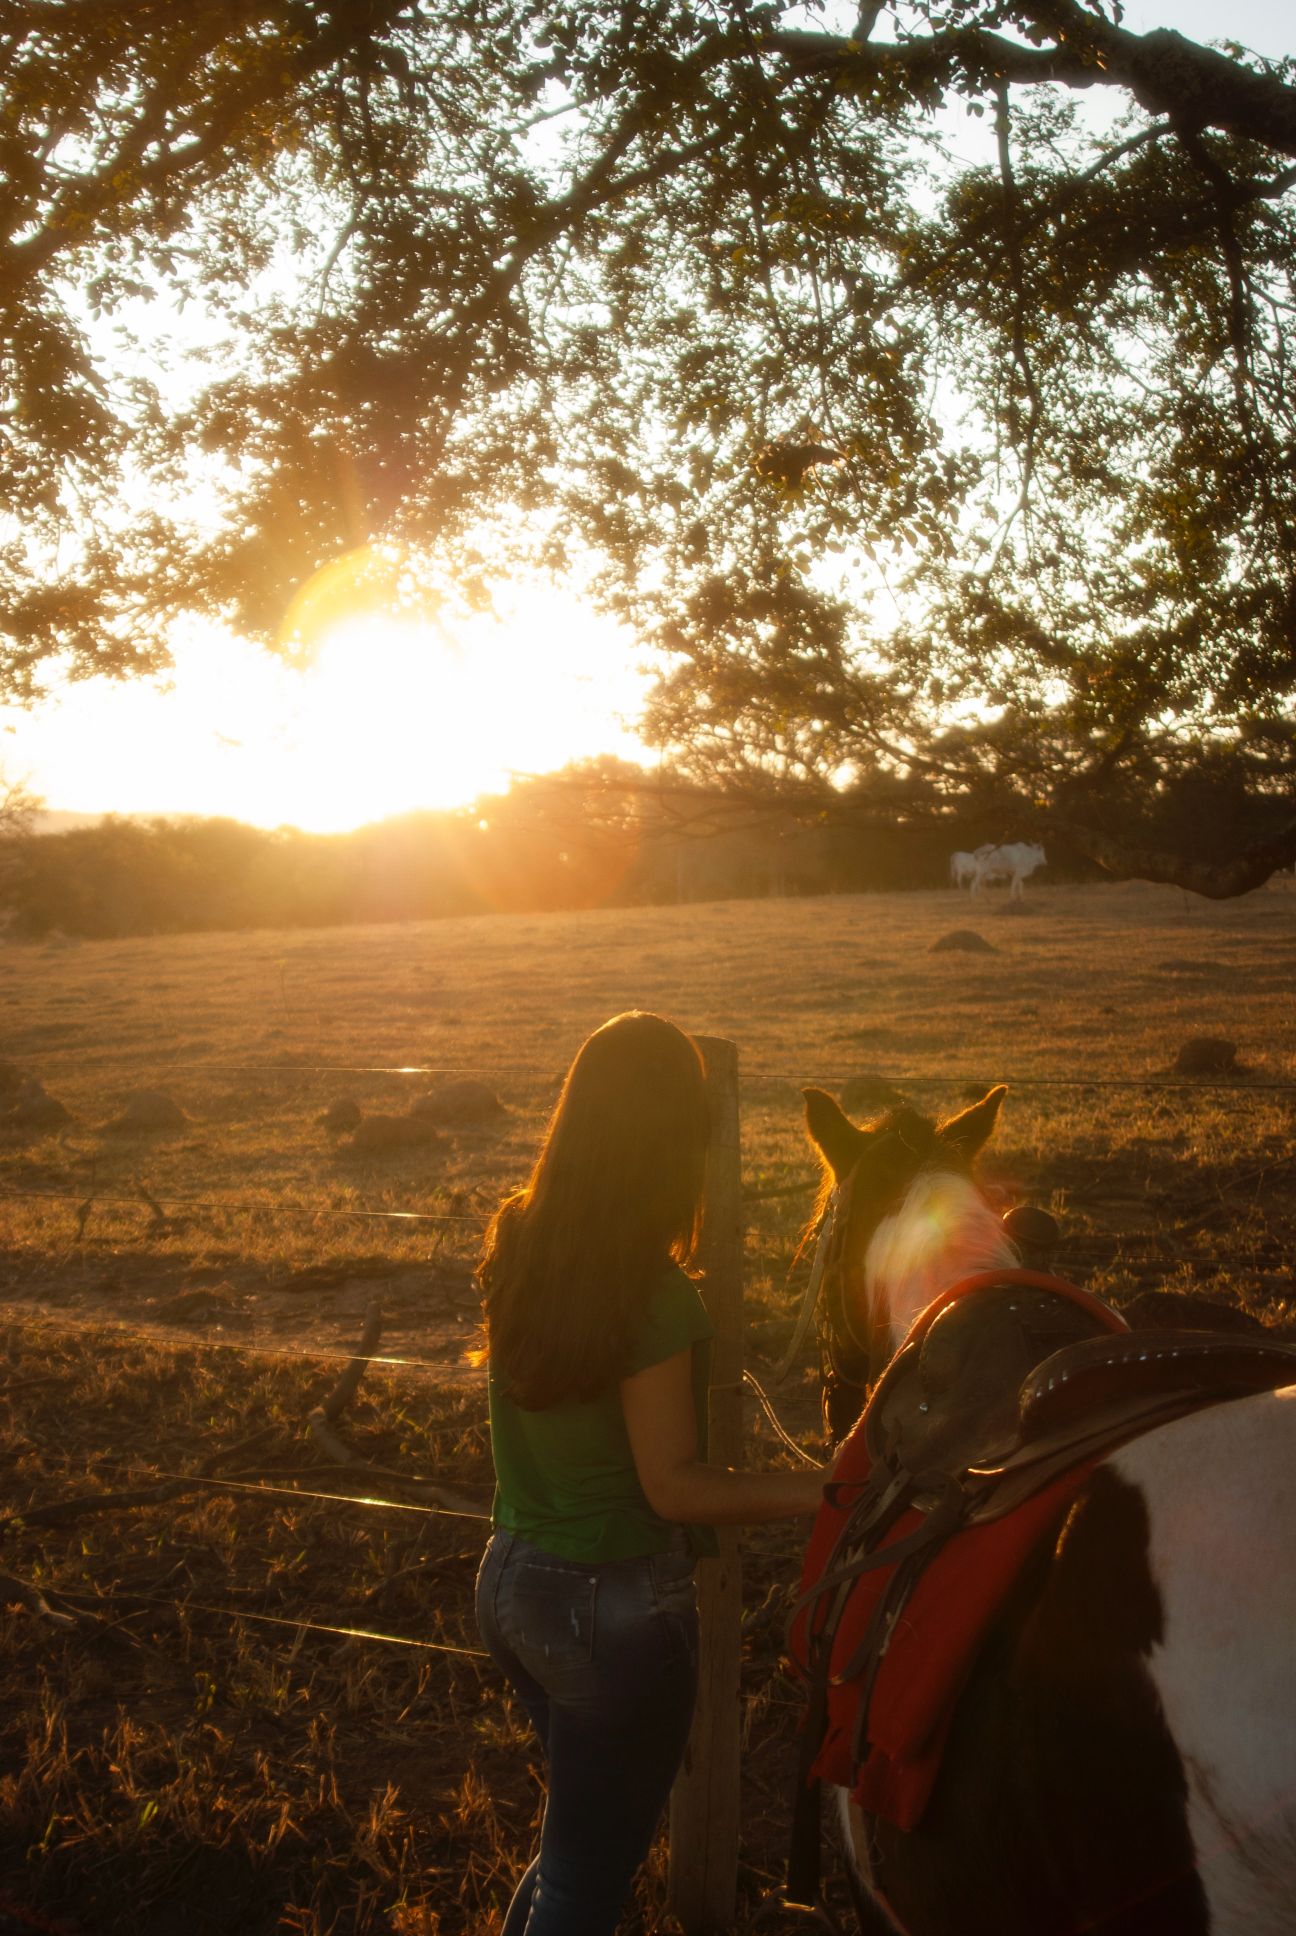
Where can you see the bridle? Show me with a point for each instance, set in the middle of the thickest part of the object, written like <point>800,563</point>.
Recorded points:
<point>855,1337</point>
<point>824,1233</point>
<point>837,1288</point>
<point>848,1357</point>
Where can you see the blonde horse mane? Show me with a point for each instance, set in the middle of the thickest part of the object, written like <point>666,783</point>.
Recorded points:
<point>944,1230</point>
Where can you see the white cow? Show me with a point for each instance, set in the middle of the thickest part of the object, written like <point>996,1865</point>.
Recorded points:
<point>1012,863</point>
<point>962,869</point>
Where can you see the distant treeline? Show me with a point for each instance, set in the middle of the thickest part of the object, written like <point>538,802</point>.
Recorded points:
<point>549,844</point>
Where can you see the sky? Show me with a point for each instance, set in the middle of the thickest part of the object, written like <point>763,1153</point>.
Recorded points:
<point>381,718</point>
<point>1266,26</point>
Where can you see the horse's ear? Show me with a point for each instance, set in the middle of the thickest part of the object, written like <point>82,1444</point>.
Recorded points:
<point>969,1133</point>
<point>833,1134</point>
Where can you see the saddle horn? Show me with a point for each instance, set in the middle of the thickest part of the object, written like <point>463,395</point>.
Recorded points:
<point>1035,1233</point>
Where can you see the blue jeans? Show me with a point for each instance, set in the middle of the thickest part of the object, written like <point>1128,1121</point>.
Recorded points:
<point>603,1656</point>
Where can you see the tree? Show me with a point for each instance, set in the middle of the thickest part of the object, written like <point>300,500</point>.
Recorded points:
<point>934,423</point>
<point>19,810</point>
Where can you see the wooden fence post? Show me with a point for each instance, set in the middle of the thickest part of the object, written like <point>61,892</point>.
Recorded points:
<point>704,1808</point>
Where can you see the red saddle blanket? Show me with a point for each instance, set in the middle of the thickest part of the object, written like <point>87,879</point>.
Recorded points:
<point>933,1644</point>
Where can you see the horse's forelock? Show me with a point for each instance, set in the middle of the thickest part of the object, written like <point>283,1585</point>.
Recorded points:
<point>900,1142</point>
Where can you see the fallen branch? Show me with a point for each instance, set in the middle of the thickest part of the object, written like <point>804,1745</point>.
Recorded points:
<point>446,1568</point>
<point>161,1221</point>
<point>60,1610</point>
<point>351,1466</point>
<point>12,1590</point>
<point>60,1511</point>
<point>226,1454</point>
<point>340,1454</point>
<point>319,1423</point>
<point>349,1383</point>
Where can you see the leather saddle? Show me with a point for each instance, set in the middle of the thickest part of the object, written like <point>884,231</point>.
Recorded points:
<point>1014,1379</point>
<point>1007,1382</point>
<point>949,1399</point>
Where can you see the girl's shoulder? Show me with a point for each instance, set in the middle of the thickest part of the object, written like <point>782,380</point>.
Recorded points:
<point>672,1318</point>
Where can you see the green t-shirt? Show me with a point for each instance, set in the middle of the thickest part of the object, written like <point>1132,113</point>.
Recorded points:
<point>565,1477</point>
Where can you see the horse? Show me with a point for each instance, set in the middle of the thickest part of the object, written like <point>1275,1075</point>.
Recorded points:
<point>1013,863</point>
<point>963,867</point>
<point>1122,1757</point>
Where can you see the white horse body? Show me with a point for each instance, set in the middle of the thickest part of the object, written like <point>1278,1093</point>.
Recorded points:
<point>1223,1560</point>
<point>1219,1489</point>
<point>1013,863</point>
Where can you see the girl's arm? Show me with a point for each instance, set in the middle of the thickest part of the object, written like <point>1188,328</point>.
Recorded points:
<point>660,1420</point>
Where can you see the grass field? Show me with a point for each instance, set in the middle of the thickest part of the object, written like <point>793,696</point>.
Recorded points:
<point>175,1302</point>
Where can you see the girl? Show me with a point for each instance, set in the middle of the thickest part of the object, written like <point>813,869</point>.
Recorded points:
<point>598,1348</point>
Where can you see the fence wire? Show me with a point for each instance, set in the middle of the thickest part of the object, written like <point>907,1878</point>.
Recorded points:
<point>313,1626</point>
<point>245,1206</point>
<point>746,1077</point>
<point>275,1494</point>
<point>217,1484</point>
<point>47,1322</point>
<point>115,1600</point>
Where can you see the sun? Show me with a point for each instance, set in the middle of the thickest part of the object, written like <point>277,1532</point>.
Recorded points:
<point>373,707</point>
<point>386,718</point>
<point>394,715</point>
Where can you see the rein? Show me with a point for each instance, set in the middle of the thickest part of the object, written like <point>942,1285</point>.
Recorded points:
<point>834,1289</point>
<point>825,1230</point>
<point>844,1287</point>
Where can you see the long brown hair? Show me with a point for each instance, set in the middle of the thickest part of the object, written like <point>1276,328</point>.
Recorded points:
<point>615,1195</point>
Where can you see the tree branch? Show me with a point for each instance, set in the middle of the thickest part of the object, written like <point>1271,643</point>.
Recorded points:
<point>1215,880</point>
<point>178,161</point>
<point>1167,74</point>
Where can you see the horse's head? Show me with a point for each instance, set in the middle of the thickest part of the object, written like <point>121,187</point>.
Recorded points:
<point>906,1221</point>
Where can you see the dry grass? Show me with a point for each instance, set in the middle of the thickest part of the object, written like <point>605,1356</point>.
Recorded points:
<point>176,1769</point>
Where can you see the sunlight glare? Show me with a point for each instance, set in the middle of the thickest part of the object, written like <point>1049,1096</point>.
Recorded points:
<point>370,716</point>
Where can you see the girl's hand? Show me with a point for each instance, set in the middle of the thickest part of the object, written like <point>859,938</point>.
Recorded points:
<point>657,1404</point>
